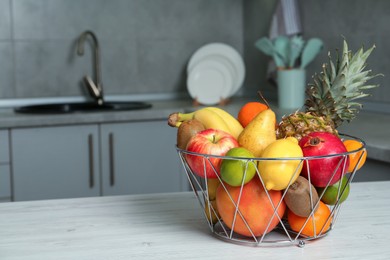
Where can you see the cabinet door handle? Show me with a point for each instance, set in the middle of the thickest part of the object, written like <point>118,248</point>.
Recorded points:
<point>111,155</point>
<point>91,160</point>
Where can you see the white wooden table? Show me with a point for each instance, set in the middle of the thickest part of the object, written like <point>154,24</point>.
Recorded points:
<point>171,226</point>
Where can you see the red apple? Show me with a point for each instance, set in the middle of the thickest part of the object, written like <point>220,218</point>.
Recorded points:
<point>321,170</point>
<point>209,141</point>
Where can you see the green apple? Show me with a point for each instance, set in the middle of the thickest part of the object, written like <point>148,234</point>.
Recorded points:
<point>332,193</point>
<point>233,171</point>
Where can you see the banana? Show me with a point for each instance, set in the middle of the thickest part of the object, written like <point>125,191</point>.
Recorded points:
<point>175,119</point>
<point>233,124</point>
<point>210,117</point>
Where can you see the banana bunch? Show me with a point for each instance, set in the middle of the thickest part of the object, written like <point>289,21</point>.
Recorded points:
<point>210,117</point>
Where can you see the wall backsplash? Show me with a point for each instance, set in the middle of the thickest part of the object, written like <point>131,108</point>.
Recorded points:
<point>360,22</point>
<point>146,44</point>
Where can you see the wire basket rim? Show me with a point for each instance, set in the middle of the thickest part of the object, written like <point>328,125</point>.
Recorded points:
<point>282,158</point>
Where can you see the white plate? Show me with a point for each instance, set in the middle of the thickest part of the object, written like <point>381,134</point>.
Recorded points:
<point>230,67</point>
<point>209,82</point>
<point>226,51</point>
<point>227,64</point>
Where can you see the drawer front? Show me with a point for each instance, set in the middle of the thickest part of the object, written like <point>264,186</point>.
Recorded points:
<point>4,146</point>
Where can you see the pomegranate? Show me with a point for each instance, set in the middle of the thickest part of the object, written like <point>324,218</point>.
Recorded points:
<point>323,169</point>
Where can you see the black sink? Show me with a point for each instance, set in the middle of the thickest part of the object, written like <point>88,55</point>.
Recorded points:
<point>84,107</point>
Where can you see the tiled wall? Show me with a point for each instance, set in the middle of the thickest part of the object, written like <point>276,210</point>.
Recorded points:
<point>145,44</point>
<point>361,22</point>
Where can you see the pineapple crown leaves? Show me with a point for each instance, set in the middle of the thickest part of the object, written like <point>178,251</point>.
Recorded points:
<point>335,89</point>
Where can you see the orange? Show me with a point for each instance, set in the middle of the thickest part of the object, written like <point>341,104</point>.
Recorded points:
<point>353,145</point>
<point>249,111</point>
<point>313,227</point>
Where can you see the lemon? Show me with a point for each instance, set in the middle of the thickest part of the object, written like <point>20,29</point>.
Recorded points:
<point>278,174</point>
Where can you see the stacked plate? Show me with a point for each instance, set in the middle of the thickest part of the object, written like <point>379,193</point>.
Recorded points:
<point>215,72</point>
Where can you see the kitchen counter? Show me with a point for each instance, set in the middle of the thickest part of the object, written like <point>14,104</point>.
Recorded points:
<point>371,127</point>
<point>159,111</point>
<point>171,226</point>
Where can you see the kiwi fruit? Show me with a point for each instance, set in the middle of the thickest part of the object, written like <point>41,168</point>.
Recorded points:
<point>186,130</point>
<point>298,197</point>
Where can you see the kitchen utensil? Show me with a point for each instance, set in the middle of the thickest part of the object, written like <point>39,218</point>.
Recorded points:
<point>265,45</point>
<point>295,49</point>
<point>312,48</point>
<point>281,47</point>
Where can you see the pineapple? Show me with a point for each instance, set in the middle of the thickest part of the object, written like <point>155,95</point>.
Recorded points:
<point>332,97</point>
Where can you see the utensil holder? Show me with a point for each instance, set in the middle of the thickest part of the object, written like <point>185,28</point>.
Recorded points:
<point>291,89</point>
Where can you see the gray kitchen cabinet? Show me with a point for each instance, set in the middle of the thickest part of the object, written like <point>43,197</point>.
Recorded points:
<point>373,170</point>
<point>139,157</point>
<point>55,162</point>
<point>5,183</point>
<point>4,147</point>
<point>5,177</point>
<point>94,160</point>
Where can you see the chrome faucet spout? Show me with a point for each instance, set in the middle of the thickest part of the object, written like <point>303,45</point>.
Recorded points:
<point>96,88</point>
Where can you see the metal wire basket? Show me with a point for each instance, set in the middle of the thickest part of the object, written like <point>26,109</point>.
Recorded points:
<point>282,234</point>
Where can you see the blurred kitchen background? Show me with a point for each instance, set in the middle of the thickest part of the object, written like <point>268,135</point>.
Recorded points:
<point>146,44</point>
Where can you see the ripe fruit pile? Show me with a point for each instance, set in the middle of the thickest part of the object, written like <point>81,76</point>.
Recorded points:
<point>253,172</point>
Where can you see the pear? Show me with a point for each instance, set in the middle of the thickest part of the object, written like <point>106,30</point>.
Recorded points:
<point>259,133</point>
<point>212,185</point>
<point>211,211</point>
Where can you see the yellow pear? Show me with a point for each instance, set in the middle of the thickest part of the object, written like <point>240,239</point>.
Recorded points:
<point>212,185</point>
<point>259,133</point>
<point>211,211</point>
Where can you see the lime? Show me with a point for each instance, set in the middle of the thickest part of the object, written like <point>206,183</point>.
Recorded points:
<point>334,192</point>
<point>233,171</point>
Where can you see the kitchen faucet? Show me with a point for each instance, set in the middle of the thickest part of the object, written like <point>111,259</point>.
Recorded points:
<point>94,88</point>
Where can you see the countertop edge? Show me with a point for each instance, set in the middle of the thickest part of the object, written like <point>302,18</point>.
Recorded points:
<point>370,127</point>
